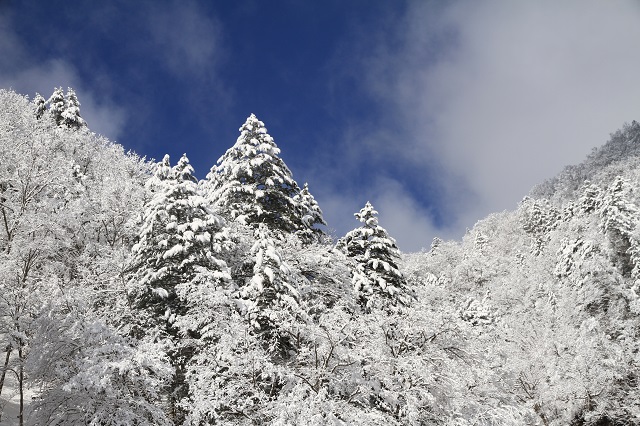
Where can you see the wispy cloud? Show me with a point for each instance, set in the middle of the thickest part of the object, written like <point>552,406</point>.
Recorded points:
<point>186,38</point>
<point>180,40</point>
<point>27,75</point>
<point>404,218</point>
<point>496,96</point>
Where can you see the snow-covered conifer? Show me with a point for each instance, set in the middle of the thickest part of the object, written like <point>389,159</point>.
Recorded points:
<point>618,220</point>
<point>311,215</point>
<point>376,256</point>
<point>269,296</point>
<point>71,114</point>
<point>176,266</point>
<point>40,104</point>
<point>251,184</point>
<point>538,219</point>
<point>539,216</point>
<point>178,242</point>
<point>57,105</point>
<point>617,211</point>
<point>480,241</point>
<point>569,211</point>
<point>591,198</point>
<point>435,243</point>
<point>161,172</point>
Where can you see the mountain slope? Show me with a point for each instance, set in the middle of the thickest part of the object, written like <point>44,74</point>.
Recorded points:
<point>531,319</point>
<point>553,288</point>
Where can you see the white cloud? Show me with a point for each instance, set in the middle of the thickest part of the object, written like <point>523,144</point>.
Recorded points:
<point>186,38</point>
<point>406,220</point>
<point>531,87</point>
<point>403,217</point>
<point>102,115</point>
<point>501,95</point>
<point>28,75</point>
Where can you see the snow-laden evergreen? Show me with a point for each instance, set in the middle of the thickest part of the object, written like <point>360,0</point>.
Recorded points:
<point>40,104</point>
<point>130,303</point>
<point>71,114</point>
<point>161,172</point>
<point>57,105</point>
<point>619,219</point>
<point>590,199</point>
<point>179,241</point>
<point>65,110</point>
<point>311,216</point>
<point>178,272</point>
<point>251,184</point>
<point>377,258</point>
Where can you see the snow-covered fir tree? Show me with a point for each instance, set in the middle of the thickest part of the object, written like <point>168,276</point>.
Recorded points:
<point>71,114</point>
<point>176,263</point>
<point>270,296</point>
<point>57,105</point>
<point>40,104</point>
<point>619,218</point>
<point>376,256</point>
<point>161,172</point>
<point>435,243</point>
<point>480,241</point>
<point>251,184</point>
<point>539,218</point>
<point>311,214</point>
<point>591,198</point>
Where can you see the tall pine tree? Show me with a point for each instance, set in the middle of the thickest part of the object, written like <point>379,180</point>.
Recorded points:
<point>40,104</point>
<point>251,184</point>
<point>57,105</point>
<point>71,114</point>
<point>176,268</point>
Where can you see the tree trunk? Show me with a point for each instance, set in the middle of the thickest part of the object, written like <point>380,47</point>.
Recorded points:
<point>4,368</point>
<point>21,385</point>
<point>4,372</point>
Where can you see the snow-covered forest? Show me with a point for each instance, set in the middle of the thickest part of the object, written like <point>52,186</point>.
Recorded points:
<point>133,294</point>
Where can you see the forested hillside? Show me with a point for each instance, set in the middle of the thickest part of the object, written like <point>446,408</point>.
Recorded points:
<point>133,294</point>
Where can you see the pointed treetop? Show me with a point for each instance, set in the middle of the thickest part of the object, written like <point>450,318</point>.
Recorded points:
<point>41,105</point>
<point>377,258</point>
<point>166,160</point>
<point>311,216</point>
<point>367,215</point>
<point>255,140</point>
<point>71,114</point>
<point>183,171</point>
<point>435,244</point>
<point>252,120</point>
<point>57,104</point>
<point>161,171</point>
<point>251,184</point>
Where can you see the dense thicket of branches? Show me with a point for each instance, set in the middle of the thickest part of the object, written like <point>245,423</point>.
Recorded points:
<point>132,294</point>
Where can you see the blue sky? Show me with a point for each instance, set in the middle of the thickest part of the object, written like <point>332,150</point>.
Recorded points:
<point>437,112</point>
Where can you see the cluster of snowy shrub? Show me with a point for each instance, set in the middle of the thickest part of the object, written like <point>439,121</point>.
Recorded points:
<point>132,293</point>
